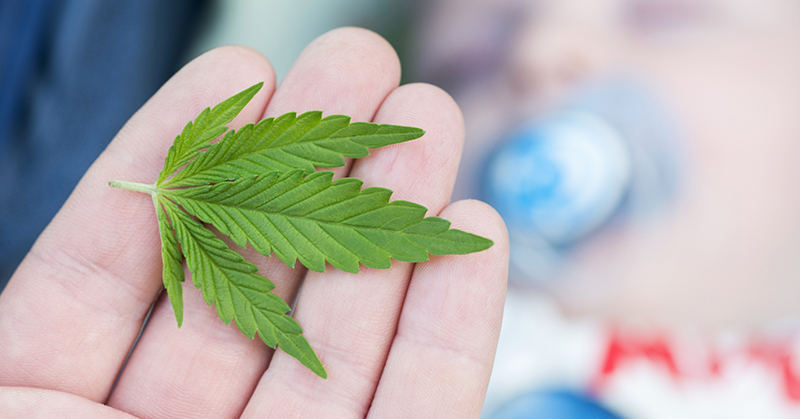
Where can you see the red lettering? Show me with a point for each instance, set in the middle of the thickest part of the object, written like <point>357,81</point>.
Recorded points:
<point>623,349</point>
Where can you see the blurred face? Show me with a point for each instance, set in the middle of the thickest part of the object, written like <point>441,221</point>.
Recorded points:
<point>724,249</point>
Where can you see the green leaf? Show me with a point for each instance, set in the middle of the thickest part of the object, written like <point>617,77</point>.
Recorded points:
<point>289,142</point>
<point>259,186</point>
<point>238,292</point>
<point>209,125</point>
<point>171,259</point>
<point>315,220</point>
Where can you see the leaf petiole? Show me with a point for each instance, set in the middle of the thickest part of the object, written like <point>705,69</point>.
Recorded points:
<point>138,187</point>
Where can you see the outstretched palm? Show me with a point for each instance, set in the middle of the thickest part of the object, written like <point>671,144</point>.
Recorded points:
<point>416,340</point>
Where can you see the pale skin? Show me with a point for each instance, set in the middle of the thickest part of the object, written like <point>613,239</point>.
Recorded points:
<point>417,340</point>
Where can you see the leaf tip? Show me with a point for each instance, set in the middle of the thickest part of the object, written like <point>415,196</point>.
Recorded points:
<point>256,87</point>
<point>479,244</point>
<point>415,133</point>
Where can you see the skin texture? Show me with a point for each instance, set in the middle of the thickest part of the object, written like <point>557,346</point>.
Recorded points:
<point>417,340</point>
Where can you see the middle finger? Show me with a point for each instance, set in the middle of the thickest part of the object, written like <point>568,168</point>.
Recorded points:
<point>350,319</point>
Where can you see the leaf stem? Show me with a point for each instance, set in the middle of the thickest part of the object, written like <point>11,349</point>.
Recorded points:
<point>138,187</point>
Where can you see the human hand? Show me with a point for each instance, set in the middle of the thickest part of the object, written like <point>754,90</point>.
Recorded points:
<point>417,340</point>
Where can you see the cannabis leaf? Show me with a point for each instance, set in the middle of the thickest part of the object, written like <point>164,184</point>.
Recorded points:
<point>232,284</point>
<point>289,142</point>
<point>258,185</point>
<point>209,125</point>
<point>315,220</point>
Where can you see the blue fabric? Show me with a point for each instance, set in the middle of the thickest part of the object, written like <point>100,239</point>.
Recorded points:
<point>553,404</point>
<point>72,72</point>
<point>24,26</point>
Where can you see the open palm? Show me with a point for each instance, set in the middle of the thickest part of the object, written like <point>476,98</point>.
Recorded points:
<point>417,340</point>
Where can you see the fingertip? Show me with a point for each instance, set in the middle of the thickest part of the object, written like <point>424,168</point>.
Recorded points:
<point>427,100</point>
<point>422,170</point>
<point>357,46</point>
<point>339,66</point>
<point>478,217</point>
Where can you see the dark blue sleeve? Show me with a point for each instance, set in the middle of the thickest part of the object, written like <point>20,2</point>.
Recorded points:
<point>71,73</point>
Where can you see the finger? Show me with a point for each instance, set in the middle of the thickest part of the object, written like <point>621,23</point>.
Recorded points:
<point>442,355</point>
<point>197,368</point>
<point>209,369</point>
<point>350,319</point>
<point>75,305</point>
<point>347,71</point>
<point>26,403</point>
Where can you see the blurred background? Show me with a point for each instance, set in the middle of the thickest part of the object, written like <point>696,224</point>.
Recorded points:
<point>644,154</point>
